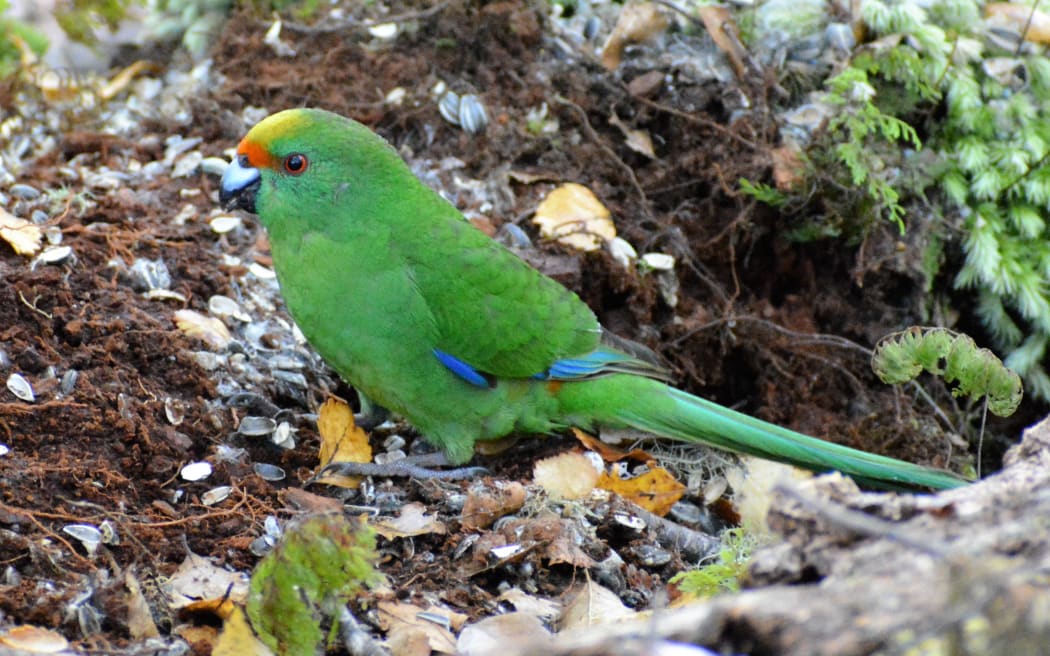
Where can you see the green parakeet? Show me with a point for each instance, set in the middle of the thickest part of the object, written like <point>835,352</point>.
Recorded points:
<point>427,316</point>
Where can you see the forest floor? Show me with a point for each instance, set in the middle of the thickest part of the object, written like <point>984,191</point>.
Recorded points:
<point>125,397</point>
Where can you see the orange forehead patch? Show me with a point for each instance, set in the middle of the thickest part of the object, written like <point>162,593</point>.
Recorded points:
<point>258,156</point>
<point>257,144</point>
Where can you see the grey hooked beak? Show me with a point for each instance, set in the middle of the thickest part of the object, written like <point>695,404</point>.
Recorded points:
<point>239,185</point>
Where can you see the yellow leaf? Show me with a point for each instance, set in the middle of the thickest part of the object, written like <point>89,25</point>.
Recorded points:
<point>341,441</point>
<point>655,490</point>
<point>23,236</point>
<point>238,639</point>
<point>573,215</point>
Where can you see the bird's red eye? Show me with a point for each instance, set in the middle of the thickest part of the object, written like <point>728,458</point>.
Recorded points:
<point>296,163</point>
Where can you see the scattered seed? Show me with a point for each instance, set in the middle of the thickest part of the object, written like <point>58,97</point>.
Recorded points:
<point>622,251</point>
<point>256,426</point>
<point>216,495</point>
<point>658,261</point>
<point>54,255</point>
<point>214,165</point>
<point>165,295</point>
<point>506,551</point>
<point>268,472</point>
<point>630,521</point>
<point>20,387</point>
<point>109,532</point>
<point>259,271</point>
<point>448,107</point>
<point>223,224</point>
<point>88,535</point>
<point>384,31</point>
<point>24,191</point>
<point>196,471</point>
<point>472,114</point>
<point>174,411</point>
<point>261,545</point>
<point>149,274</point>
<point>224,306</point>
<point>284,436</point>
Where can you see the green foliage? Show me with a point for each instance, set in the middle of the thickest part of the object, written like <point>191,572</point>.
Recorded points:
<point>724,574</point>
<point>935,69</point>
<point>762,192</point>
<point>195,22</point>
<point>300,9</point>
<point>902,356</point>
<point>79,18</point>
<point>11,32</point>
<point>855,127</point>
<point>319,564</point>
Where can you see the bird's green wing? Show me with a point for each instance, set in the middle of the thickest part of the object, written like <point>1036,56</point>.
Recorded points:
<point>493,311</point>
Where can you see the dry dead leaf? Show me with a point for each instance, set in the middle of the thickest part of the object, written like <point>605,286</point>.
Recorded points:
<point>25,237</point>
<point>558,537</point>
<point>720,24</point>
<point>608,452</point>
<point>574,216</point>
<point>637,140</point>
<point>788,170</point>
<point>309,503</point>
<point>656,490</point>
<point>638,22</point>
<point>210,330</point>
<point>413,520</point>
<point>569,475</point>
<point>591,605</point>
<point>197,578</point>
<point>402,622</point>
<point>238,639</point>
<point>488,502</point>
<point>341,441</point>
<point>492,634</point>
<point>121,80</point>
<point>140,619</point>
<point>1017,16</point>
<point>495,447</point>
<point>545,610</point>
<point>28,639</point>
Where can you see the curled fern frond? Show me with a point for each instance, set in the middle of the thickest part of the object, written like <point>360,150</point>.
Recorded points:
<point>900,357</point>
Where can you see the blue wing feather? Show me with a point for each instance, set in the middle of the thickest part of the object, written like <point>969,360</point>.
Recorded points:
<point>600,362</point>
<point>462,369</point>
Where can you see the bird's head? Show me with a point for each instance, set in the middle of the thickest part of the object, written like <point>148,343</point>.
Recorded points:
<point>307,160</point>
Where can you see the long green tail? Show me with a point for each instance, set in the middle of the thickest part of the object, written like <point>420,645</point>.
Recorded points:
<point>653,407</point>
